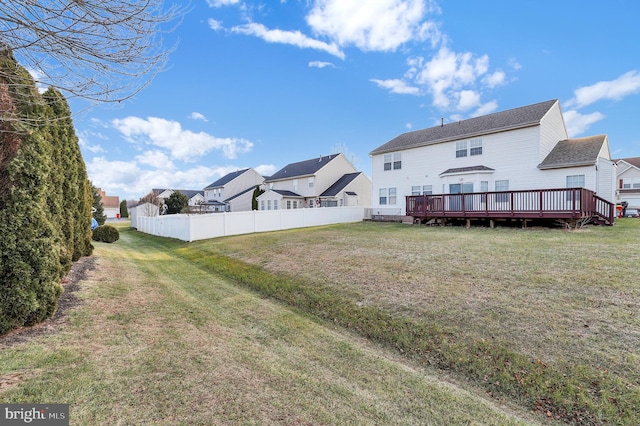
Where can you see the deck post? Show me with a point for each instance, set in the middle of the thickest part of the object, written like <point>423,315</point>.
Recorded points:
<point>468,223</point>
<point>492,224</point>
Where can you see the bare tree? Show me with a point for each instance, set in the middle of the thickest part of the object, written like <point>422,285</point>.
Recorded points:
<point>99,50</point>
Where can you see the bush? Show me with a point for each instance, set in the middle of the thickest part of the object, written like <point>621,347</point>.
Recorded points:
<point>106,234</point>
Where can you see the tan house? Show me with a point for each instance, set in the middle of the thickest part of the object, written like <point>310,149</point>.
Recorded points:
<point>110,204</point>
<point>233,191</point>
<point>326,181</point>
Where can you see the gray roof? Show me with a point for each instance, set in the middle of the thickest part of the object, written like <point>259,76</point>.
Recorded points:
<point>574,153</point>
<point>634,161</point>
<point>302,168</point>
<point>517,118</point>
<point>226,179</point>
<point>190,193</point>
<point>339,185</point>
<point>251,188</point>
<point>285,193</point>
<point>468,169</point>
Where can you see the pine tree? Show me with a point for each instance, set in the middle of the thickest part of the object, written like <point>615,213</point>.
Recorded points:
<point>98,208</point>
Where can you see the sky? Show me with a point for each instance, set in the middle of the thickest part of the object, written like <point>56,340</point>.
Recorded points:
<point>266,83</point>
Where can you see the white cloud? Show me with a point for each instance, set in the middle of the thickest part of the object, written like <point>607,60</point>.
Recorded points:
<point>220,3</point>
<point>198,116</point>
<point>626,84</point>
<point>397,86</point>
<point>468,99</point>
<point>266,169</point>
<point>320,64</point>
<point>383,25</point>
<point>578,123</point>
<point>156,159</point>
<point>135,179</point>
<point>182,144</point>
<point>449,76</point>
<point>294,38</point>
<point>215,25</point>
<point>495,79</point>
<point>486,108</point>
<point>514,64</point>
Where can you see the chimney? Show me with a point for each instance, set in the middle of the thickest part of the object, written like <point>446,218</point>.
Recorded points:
<point>442,123</point>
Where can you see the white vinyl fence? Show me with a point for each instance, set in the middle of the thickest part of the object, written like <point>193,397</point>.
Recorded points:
<point>193,227</point>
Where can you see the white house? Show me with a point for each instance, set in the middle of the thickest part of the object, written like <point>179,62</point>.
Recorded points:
<point>196,197</point>
<point>326,181</point>
<point>628,188</point>
<point>519,149</point>
<point>232,192</point>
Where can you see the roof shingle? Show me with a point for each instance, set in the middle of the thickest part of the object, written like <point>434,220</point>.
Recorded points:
<point>525,116</point>
<point>574,152</point>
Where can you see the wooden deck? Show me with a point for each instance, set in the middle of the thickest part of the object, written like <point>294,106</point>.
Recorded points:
<point>569,205</point>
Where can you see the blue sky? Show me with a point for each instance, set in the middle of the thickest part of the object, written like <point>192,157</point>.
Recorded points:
<point>265,83</point>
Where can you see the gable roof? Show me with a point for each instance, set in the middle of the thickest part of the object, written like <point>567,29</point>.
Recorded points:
<point>340,184</point>
<point>226,179</point>
<point>233,197</point>
<point>574,153</point>
<point>190,193</point>
<point>634,161</point>
<point>468,169</point>
<point>302,168</point>
<point>516,118</point>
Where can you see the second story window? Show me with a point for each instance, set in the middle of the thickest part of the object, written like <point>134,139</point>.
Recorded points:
<point>397,161</point>
<point>387,161</point>
<point>475,146</point>
<point>461,149</point>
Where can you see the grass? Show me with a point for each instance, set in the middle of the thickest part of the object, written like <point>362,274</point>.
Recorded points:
<point>544,317</point>
<point>162,337</point>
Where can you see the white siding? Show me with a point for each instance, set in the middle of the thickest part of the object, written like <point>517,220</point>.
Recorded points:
<point>552,130</point>
<point>513,155</point>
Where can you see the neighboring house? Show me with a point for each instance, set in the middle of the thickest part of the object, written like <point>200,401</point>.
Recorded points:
<point>628,178</point>
<point>232,192</point>
<point>110,204</point>
<point>196,197</point>
<point>520,149</point>
<point>326,181</point>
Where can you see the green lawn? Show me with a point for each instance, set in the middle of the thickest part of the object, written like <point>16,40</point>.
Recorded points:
<point>545,317</point>
<point>170,333</point>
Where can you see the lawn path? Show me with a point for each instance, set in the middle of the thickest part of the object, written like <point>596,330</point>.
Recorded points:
<point>159,341</point>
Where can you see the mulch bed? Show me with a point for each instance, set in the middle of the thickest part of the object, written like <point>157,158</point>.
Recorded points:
<point>68,300</point>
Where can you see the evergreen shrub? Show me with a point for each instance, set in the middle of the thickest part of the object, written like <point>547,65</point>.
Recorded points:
<point>106,234</point>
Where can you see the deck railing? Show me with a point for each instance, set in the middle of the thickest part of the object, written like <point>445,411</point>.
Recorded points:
<point>560,203</point>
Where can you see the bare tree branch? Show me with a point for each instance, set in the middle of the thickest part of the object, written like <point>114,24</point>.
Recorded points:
<point>99,50</point>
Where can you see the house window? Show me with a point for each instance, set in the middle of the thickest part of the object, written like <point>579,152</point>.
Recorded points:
<point>427,189</point>
<point>484,187</point>
<point>575,181</point>
<point>311,182</point>
<point>275,204</point>
<point>461,149</point>
<point>397,161</point>
<point>415,190</point>
<point>382,196</point>
<point>295,184</point>
<point>502,185</point>
<point>268,204</point>
<point>288,204</point>
<point>392,196</point>
<point>262,205</point>
<point>295,204</point>
<point>387,161</point>
<point>475,146</point>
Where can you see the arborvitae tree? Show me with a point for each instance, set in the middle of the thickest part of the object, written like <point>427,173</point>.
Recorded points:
<point>34,248</point>
<point>176,202</point>
<point>124,212</point>
<point>254,201</point>
<point>98,208</point>
<point>29,256</point>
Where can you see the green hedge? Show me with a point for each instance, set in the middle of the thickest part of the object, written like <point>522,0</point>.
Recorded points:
<point>106,234</point>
